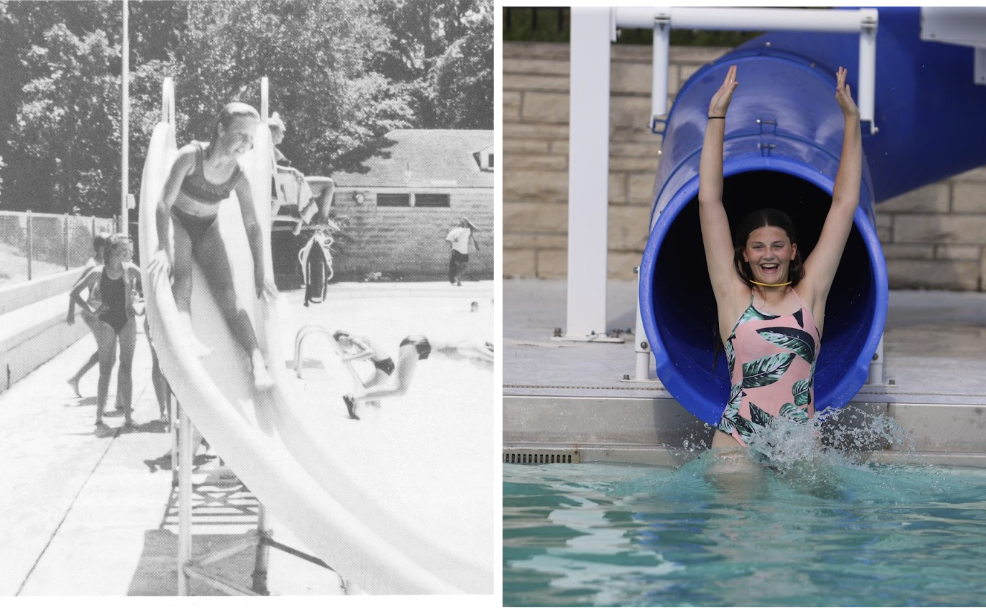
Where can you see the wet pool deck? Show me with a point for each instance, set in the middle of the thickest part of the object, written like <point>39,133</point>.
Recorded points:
<point>559,396</point>
<point>88,515</point>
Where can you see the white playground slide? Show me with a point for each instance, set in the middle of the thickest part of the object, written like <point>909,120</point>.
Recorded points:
<point>266,437</point>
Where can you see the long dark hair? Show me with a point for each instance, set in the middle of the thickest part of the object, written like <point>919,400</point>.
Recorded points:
<point>760,219</point>
<point>226,116</point>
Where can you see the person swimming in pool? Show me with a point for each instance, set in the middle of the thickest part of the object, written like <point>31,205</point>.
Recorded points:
<point>113,285</point>
<point>771,305</point>
<point>394,380</point>
<point>203,175</point>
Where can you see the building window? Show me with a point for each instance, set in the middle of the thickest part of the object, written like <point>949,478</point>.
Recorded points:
<point>491,161</point>
<point>393,200</point>
<point>431,200</point>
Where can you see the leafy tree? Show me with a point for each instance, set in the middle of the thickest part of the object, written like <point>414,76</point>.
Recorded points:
<point>315,54</point>
<point>67,131</point>
<point>428,40</point>
<point>461,80</point>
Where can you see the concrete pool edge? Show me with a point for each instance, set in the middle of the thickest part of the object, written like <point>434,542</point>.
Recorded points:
<point>658,431</point>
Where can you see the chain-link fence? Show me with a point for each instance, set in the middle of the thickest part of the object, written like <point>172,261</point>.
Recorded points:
<point>34,245</point>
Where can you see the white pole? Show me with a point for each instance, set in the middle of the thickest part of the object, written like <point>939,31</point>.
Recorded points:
<point>661,50</point>
<point>264,99</point>
<point>125,124</point>
<point>186,458</point>
<point>588,172</point>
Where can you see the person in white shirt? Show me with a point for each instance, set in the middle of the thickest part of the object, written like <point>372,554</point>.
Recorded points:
<point>458,239</point>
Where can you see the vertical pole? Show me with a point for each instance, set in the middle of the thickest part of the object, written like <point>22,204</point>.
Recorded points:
<point>125,124</point>
<point>65,237</point>
<point>30,244</point>
<point>264,99</point>
<point>588,171</point>
<point>661,57</point>
<point>641,345</point>
<point>867,68</point>
<point>876,365</point>
<point>262,559</point>
<point>186,457</point>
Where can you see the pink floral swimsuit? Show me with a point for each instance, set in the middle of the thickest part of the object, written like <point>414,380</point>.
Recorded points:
<point>772,368</point>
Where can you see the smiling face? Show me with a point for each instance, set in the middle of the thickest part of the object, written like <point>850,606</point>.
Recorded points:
<point>237,138</point>
<point>769,252</point>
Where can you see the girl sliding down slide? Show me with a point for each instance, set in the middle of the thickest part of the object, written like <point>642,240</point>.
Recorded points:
<point>204,175</point>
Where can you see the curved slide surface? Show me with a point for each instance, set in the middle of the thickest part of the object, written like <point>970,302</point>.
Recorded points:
<point>267,438</point>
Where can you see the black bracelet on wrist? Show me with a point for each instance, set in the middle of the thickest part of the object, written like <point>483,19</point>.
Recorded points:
<point>719,117</point>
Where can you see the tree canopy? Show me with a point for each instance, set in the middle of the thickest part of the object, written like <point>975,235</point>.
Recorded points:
<point>341,72</point>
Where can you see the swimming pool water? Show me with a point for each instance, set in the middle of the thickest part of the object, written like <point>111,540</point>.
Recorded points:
<point>836,534</point>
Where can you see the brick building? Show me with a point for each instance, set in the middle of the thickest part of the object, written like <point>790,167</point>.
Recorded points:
<point>399,208</point>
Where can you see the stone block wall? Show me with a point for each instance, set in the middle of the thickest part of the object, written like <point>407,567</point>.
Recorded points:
<point>933,237</point>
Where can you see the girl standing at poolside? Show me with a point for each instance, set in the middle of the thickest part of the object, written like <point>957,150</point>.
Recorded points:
<point>203,175</point>
<point>113,285</point>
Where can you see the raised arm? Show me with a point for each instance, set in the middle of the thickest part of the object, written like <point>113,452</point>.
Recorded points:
<point>716,235</point>
<point>821,265</point>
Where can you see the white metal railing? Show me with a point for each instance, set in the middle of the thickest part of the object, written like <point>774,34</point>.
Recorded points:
<point>662,20</point>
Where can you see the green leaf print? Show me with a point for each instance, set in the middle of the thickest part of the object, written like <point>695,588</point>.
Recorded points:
<point>792,339</point>
<point>731,413</point>
<point>802,392</point>
<point>744,428</point>
<point>759,417</point>
<point>793,412</point>
<point>752,314</point>
<point>766,370</point>
<point>730,356</point>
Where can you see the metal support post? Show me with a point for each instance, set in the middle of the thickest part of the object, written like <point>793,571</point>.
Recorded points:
<point>186,458</point>
<point>588,173</point>
<point>641,346</point>
<point>876,366</point>
<point>263,552</point>
<point>30,244</point>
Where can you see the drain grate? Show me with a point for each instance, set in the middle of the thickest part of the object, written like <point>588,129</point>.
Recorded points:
<point>515,456</point>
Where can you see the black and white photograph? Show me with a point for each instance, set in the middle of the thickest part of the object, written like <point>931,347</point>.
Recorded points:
<point>247,298</point>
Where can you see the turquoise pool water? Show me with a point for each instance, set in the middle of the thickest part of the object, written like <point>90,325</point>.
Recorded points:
<point>829,532</point>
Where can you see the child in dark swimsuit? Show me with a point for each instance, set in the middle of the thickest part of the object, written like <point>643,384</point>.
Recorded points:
<point>98,246</point>
<point>771,306</point>
<point>113,285</point>
<point>412,350</point>
<point>203,175</point>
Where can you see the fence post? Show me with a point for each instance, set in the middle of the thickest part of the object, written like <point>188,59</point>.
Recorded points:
<point>66,240</point>
<point>30,245</point>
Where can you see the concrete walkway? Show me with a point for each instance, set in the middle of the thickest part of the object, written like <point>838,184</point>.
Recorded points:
<point>88,515</point>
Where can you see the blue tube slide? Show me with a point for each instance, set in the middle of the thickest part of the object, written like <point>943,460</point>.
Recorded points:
<point>782,146</point>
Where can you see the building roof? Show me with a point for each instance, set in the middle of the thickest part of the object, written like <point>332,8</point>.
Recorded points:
<point>439,158</point>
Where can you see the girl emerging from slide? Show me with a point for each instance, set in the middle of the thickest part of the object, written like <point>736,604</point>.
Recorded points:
<point>771,305</point>
<point>203,176</point>
<point>393,380</point>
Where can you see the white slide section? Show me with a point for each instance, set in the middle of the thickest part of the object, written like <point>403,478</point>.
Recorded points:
<point>267,439</point>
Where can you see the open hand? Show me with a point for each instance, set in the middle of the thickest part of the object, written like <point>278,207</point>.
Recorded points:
<point>160,262</point>
<point>720,101</point>
<point>844,96</point>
